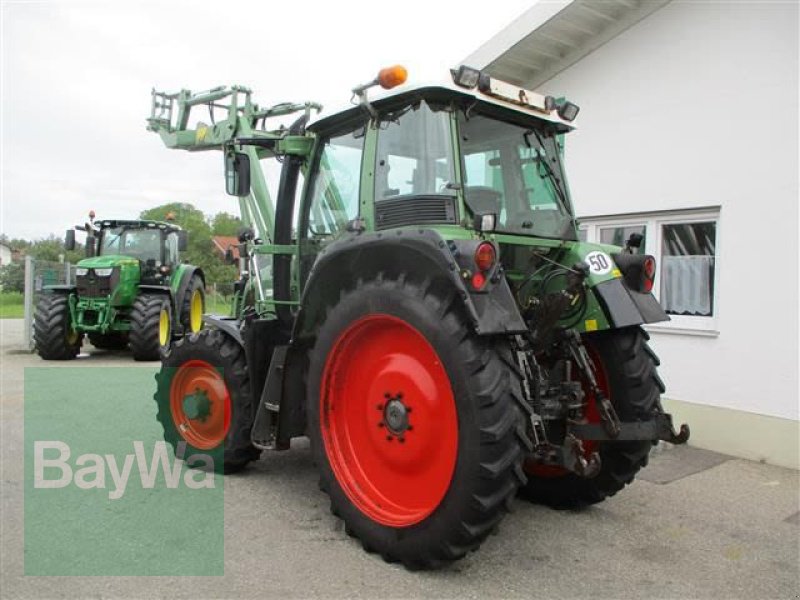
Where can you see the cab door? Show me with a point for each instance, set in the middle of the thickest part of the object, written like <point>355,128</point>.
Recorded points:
<point>332,194</point>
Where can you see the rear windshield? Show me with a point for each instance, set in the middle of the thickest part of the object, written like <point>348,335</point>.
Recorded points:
<point>515,173</point>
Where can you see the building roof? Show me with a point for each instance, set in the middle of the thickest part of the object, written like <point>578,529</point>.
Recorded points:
<point>223,242</point>
<point>553,35</point>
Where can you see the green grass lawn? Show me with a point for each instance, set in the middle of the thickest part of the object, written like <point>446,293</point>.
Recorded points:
<point>11,305</point>
<point>218,305</point>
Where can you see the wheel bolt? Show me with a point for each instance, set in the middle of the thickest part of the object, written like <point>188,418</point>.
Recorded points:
<point>379,407</point>
<point>380,424</point>
<point>410,428</point>
<point>389,438</point>
<point>401,440</point>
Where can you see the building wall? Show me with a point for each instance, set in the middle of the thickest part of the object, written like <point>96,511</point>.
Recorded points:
<point>697,105</point>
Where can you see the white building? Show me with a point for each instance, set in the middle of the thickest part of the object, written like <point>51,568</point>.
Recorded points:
<point>689,133</point>
<point>5,254</point>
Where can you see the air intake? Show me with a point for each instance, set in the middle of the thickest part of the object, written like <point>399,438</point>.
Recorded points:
<point>415,210</point>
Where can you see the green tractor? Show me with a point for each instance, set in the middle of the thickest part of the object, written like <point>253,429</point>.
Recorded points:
<point>131,290</point>
<point>426,314</point>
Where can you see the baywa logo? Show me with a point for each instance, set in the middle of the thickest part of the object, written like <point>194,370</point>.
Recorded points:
<point>54,469</point>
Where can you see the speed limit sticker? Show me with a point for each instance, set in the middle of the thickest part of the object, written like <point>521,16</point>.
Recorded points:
<point>599,263</point>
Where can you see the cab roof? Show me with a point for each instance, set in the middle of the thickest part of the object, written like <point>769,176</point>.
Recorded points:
<point>444,92</point>
<point>136,224</point>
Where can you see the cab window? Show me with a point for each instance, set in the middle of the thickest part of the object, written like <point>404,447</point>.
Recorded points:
<point>414,155</point>
<point>335,185</point>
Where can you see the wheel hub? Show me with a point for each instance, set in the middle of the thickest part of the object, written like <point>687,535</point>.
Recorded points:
<point>197,406</point>
<point>395,415</point>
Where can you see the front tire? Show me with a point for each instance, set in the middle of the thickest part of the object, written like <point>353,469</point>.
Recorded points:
<point>414,423</point>
<point>194,305</point>
<point>214,366</point>
<point>151,326</point>
<point>54,337</point>
<point>627,370</point>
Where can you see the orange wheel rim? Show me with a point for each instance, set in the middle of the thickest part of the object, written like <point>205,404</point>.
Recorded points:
<point>200,404</point>
<point>389,421</point>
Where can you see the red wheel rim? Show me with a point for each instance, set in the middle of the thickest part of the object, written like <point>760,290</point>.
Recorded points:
<point>591,415</point>
<point>388,420</point>
<point>207,429</point>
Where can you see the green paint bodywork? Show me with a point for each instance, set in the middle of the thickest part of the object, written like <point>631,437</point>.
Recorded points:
<point>169,118</point>
<point>111,313</point>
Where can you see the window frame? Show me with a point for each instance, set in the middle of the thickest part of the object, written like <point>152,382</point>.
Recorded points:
<point>310,178</point>
<point>653,224</point>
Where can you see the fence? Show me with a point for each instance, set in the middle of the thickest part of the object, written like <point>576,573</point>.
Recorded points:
<point>219,298</point>
<point>38,274</point>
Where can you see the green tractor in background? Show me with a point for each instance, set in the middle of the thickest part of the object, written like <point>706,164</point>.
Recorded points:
<point>130,290</point>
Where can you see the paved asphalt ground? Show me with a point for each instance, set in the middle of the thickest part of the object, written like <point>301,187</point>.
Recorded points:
<point>695,524</point>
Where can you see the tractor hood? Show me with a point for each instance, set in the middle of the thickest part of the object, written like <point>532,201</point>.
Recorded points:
<point>106,261</point>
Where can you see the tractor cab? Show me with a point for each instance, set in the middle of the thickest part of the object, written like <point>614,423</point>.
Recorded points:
<point>154,244</point>
<point>442,155</point>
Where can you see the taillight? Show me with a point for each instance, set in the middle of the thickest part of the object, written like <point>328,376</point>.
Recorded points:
<point>649,267</point>
<point>478,280</point>
<point>485,256</point>
<point>648,274</point>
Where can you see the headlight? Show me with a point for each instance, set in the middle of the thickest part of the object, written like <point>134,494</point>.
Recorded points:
<point>104,272</point>
<point>81,271</point>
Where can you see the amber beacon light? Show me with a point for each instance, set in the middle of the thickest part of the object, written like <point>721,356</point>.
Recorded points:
<point>392,76</point>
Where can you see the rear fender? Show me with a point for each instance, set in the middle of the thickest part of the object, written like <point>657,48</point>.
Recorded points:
<point>419,256</point>
<point>621,306</point>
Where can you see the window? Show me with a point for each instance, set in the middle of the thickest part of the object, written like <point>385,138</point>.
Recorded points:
<point>143,244</point>
<point>414,155</point>
<point>515,173</point>
<point>685,245</point>
<point>335,192</point>
<point>618,236</point>
<point>172,248</point>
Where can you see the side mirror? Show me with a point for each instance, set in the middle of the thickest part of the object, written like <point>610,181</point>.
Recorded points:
<point>229,259</point>
<point>237,174</point>
<point>90,245</point>
<point>69,240</point>
<point>183,241</point>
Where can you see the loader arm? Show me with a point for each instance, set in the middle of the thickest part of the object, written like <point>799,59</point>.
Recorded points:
<point>237,129</point>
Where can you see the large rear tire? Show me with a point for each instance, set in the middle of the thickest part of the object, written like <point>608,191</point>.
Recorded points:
<point>414,423</point>
<point>212,365</point>
<point>627,370</point>
<point>54,337</point>
<point>151,326</point>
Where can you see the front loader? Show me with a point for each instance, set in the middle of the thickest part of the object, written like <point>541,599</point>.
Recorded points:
<point>426,314</point>
<point>131,290</point>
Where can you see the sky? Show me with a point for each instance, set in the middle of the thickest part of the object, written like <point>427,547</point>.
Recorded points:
<point>76,79</point>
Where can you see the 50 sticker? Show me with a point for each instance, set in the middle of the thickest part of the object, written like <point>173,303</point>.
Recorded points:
<point>599,263</point>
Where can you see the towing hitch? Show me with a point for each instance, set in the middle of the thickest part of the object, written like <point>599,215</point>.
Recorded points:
<point>658,428</point>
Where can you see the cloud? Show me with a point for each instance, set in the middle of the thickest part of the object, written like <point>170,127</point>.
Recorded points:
<point>77,79</point>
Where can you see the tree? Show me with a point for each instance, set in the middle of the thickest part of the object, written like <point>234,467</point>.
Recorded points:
<point>12,277</point>
<point>225,224</point>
